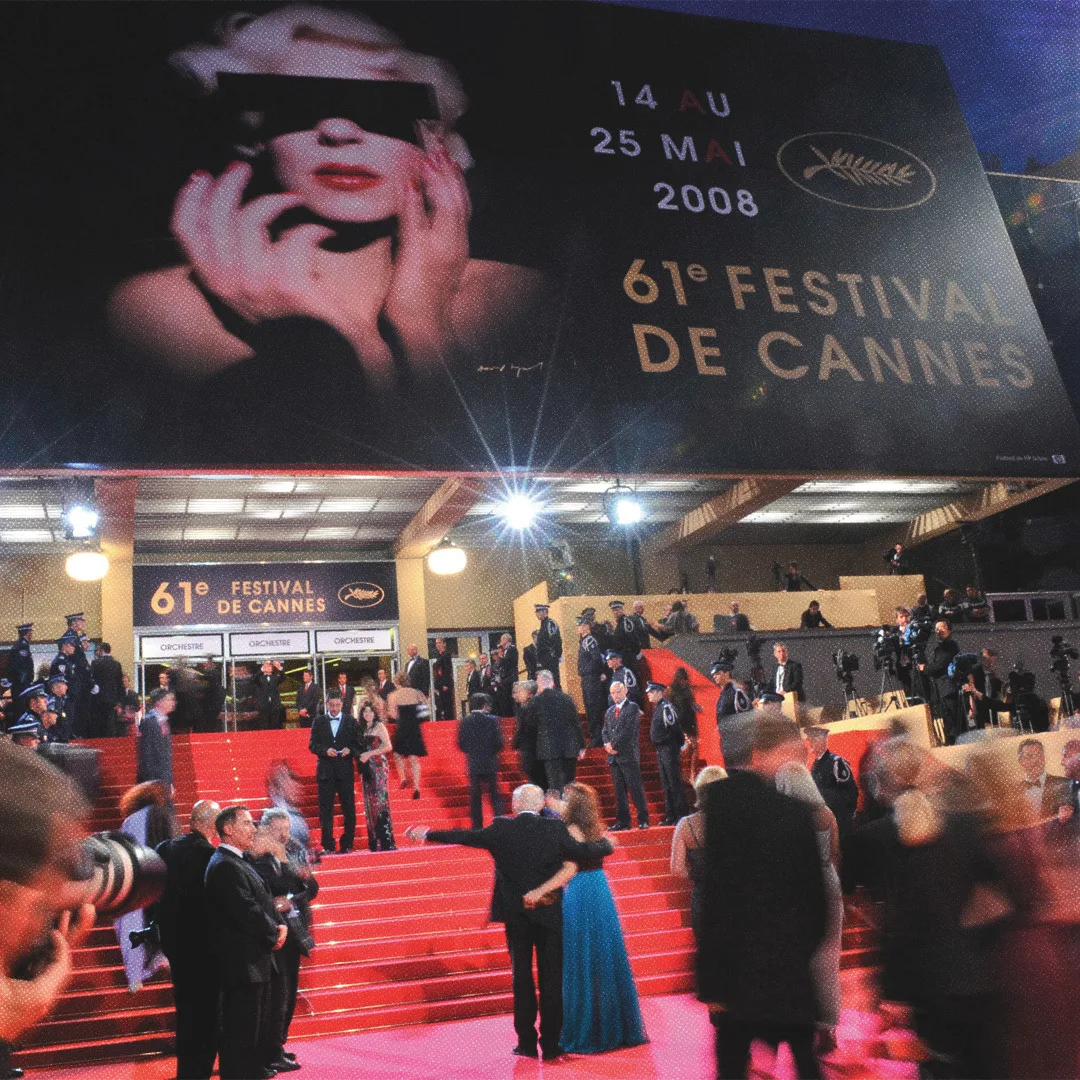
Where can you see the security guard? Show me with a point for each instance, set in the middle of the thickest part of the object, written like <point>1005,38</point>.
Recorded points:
<point>20,667</point>
<point>548,644</point>
<point>599,630</point>
<point>77,676</point>
<point>82,686</point>
<point>60,703</point>
<point>667,736</point>
<point>619,672</point>
<point>624,635</point>
<point>37,704</point>
<point>593,673</point>
<point>834,780</point>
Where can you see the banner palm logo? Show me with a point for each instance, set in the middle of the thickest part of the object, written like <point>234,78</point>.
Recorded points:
<point>361,594</point>
<point>857,171</point>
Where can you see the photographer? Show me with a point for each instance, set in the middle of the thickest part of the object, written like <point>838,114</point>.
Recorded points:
<point>944,696</point>
<point>40,897</point>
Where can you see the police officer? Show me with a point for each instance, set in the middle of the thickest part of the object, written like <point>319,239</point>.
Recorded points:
<point>599,630</point>
<point>548,644</point>
<point>624,635</point>
<point>81,685</point>
<point>20,667</point>
<point>59,703</point>
<point>667,736</point>
<point>834,780</point>
<point>66,665</point>
<point>36,704</point>
<point>593,673</point>
<point>619,672</point>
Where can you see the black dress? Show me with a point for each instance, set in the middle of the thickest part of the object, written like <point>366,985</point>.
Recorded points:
<point>408,740</point>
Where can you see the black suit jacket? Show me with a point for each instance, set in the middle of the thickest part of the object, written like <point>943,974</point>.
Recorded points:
<point>528,658</point>
<point>154,752</point>
<point>419,675</point>
<point>624,732</point>
<point>763,902</point>
<point>558,731</point>
<point>322,739</point>
<point>243,922</point>
<point>310,698</point>
<point>109,676</point>
<point>480,739</point>
<point>527,849</point>
<point>938,660</point>
<point>348,698</point>
<point>181,912</point>
<point>266,690</point>
<point>282,880</point>
<point>506,672</point>
<point>793,679</point>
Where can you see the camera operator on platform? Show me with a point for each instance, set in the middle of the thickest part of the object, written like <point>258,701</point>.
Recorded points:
<point>812,618</point>
<point>903,662</point>
<point>944,696</point>
<point>897,559</point>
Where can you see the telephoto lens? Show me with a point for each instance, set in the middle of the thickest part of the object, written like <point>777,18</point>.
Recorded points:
<point>122,875</point>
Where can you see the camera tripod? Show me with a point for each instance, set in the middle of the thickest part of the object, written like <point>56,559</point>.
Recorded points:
<point>853,704</point>
<point>891,684</point>
<point>1068,700</point>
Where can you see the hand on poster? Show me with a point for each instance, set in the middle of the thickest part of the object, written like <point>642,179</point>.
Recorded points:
<point>432,255</point>
<point>231,251</point>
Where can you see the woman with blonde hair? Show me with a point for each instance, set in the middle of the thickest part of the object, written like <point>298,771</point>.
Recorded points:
<point>688,842</point>
<point>600,1002</point>
<point>407,708</point>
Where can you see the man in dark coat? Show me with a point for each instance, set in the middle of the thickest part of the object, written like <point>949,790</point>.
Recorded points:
<point>60,704</point>
<point>80,685</point>
<point>384,684</point>
<point>528,658</point>
<point>77,676</point>
<point>108,676</point>
<point>944,693</point>
<point>559,742</point>
<point>246,932</point>
<point>442,674</point>
<point>624,637</point>
<point>266,690</point>
<point>154,747</point>
<point>346,692</point>
<point>506,674</point>
<point>309,702</point>
<point>336,743</point>
<point>622,741</point>
<point>418,670</point>
<point>20,669</point>
<point>528,850</point>
<point>480,739</point>
<point>763,908</point>
<point>787,676</point>
<point>185,939</point>
<point>835,780</point>
<point>548,644</point>
<point>666,734</point>
<point>526,722</point>
<point>593,673</point>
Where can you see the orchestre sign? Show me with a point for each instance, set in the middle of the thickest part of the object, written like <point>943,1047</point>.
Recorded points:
<point>270,593</point>
<point>744,248</point>
<point>177,646</point>
<point>293,643</point>
<point>354,641</point>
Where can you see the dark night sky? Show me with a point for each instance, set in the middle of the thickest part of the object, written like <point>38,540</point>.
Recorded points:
<point>1015,64</point>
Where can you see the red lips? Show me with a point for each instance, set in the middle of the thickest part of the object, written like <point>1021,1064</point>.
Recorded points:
<point>340,177</point>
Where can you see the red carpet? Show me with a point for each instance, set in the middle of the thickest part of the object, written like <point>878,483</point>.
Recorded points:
<point>402,937</point>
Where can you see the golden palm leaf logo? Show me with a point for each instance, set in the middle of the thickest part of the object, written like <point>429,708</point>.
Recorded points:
<point>861,170</point>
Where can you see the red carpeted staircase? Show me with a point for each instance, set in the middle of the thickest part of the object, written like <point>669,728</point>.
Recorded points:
<point>402,937</point>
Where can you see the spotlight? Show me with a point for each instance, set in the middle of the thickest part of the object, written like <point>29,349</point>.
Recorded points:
<point>519,511</point>
<point>81,522</point>
<point>87,565</point>
<point>628,511</point>
<point>447,558</point>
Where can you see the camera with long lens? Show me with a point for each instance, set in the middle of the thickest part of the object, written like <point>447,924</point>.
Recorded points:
<point>918,633</point>
<point>886,645</point>
<point>1029,711</point>
<point>846,665</point>
<point>1061,652</point>
<point>727,655</point>
<point>118,876</point>
<point>962,665</point>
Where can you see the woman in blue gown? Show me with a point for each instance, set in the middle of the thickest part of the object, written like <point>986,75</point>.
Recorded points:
<point>600,1002</point>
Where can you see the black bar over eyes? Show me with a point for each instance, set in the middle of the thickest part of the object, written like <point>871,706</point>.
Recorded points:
<point>298,102</point>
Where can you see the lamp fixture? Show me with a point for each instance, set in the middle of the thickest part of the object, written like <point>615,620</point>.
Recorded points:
<point>87,565</point>
<point>446,559</point>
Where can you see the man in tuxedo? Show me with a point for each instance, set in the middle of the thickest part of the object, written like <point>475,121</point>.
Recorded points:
<point>622,741</point>
<point>528,658</point>
<point>442,672</point>
<point>763,908</point>
<point>336,743</point>
<point>308,698</point>
<point>266,689</point>
<point>107,675</point>
<point>385,685</point>
<point>1047,794</point>
<point>418,670</point>
<point>528,850</point>
<point>245,931</point>
<point>480,739</point>
<point>559,743</point>
<point>506,673</point>
<point>182,918</point>
<point>154,748</point>
<point>787,676</point>
<point>346,692</point>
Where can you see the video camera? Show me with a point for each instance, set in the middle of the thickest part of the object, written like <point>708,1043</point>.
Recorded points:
<point>962,665</point>
<point>886,648</point>
<point>118,876</point>
<point>1061,652</point>
<point>727,655</point>
<point>846,665</point>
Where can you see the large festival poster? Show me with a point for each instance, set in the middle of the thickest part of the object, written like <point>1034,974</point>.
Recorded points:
<point>476,236</point>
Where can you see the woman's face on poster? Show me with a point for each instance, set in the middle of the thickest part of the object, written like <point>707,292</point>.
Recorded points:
<point>343,172</point>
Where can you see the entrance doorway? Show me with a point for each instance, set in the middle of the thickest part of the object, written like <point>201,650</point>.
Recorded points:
<point>361,672</point>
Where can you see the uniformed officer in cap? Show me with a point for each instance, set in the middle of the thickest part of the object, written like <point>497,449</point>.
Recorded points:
<point>667,736</point>
<point>624,636</point>
<point>619,672</point>
<point>36,703</point>
<point>835,780</point>
<point>593,672</point>
<point>77,675</point>
<point>81,686</point>
<point>600,630</point>
<point>60,704</point>
<point>548,644</point>
<point>20,667</point>
<point>27,733</point>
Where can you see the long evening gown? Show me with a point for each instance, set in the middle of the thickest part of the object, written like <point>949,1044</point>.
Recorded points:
<point>376,777</point>
<point>600,1002</point>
